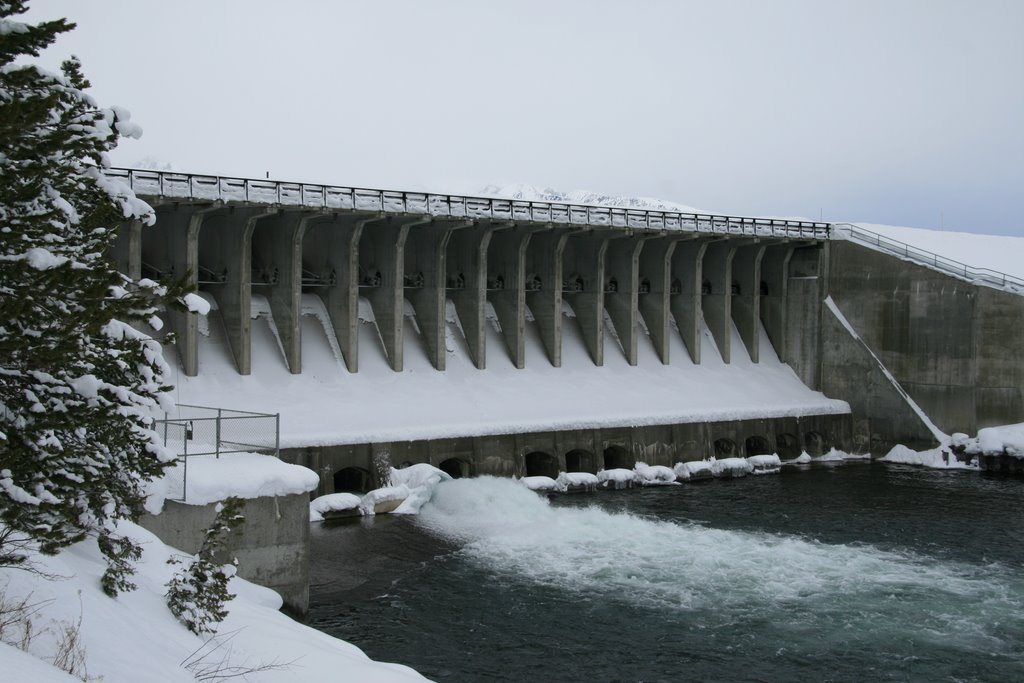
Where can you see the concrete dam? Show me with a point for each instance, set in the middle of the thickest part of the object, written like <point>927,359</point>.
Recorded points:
<point>511,337</point>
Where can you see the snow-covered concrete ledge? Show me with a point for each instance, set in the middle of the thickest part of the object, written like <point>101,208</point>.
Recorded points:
<point>271,545</point>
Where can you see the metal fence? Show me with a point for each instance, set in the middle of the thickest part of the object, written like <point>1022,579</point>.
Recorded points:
<point>149,183</point>
<point>203,430</point>
<point>947,265</point>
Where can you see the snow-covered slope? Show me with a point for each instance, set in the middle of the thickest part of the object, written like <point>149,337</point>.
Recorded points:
<point>1001,253</point>
<point>326,404</point>
<point>135,638</point>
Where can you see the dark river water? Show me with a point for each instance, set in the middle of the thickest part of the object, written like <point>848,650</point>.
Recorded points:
<point>851,572</point>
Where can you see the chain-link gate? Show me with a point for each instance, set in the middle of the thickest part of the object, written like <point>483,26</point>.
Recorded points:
<point>203,430</point>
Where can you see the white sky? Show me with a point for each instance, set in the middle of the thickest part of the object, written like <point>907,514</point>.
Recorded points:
<point>899,111</point>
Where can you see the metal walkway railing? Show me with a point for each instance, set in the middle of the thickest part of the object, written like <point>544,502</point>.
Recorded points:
<point>993,278</point>
<point>204,430</point>
<point>217,188</point>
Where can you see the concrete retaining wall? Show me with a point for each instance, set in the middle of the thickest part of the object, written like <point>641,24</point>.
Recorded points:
<point>272,546</point>
<point>587,449</point>
<point>955,347</point>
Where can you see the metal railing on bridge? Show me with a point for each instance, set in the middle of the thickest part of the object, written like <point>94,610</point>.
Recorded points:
<point>148,183</point>
<point>203,430</point>
<point>993,278</point>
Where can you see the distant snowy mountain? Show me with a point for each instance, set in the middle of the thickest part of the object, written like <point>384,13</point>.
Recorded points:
<point>547,194</point>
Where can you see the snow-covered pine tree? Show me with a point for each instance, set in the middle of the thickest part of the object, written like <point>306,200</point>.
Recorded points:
<point>77,381</point>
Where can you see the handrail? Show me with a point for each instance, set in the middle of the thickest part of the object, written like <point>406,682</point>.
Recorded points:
<point>987,276</point>
<point>150,183</point>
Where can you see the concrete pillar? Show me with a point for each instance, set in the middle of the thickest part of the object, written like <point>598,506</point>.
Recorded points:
<point>225,261</point>
<point>716,301</point>
<point>277,272</point>
<point>622,274</point>
<point>746,298</point>
<point>330,259</point>
<point>467,284</point>
<point>686,276</point>
<point>170,249</point>
<point>382,264</point>
<point>426,275</point>
<point>506,286</point>
<point>656,269</point>
<point>127,250</point>
<point>774,268</point>
<point>544,270</point>
<point>583,275</point>
<point>804,294</point>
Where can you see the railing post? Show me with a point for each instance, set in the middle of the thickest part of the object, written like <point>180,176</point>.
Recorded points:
<point>219,411</point>
<point>184,470</point>
<point>277,434</point>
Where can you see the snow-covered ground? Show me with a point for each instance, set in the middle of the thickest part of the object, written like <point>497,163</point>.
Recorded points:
<point>135,638</point>
<point>242,475</point>
<point>326,404</point>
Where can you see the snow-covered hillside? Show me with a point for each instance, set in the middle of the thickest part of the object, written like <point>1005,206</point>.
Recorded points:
<point>1001,253</point>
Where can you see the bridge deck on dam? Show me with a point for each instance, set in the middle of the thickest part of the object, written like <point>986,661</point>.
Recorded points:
<point>328,405</point>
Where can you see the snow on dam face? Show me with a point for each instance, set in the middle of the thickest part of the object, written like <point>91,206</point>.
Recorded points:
<point>328,405</point>
<point>400,332</point>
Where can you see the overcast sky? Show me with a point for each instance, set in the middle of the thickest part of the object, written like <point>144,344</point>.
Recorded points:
<point>900,112</point>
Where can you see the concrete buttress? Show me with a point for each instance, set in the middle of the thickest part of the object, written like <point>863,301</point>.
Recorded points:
<point>622,288</point>
<point>382,271</point>
<point>426,276</point>
<point>277,272</point>
<point>654,304</point>
<point>687,276</point>
<point>225,259</point>
<point>774,268</point>
<point>467,285</point>
<point>171,249</point>
<point>544,288</point>
<point>716,297</point>
<point>330,259</point>
<point>583,274</point>
<point>746,296</point>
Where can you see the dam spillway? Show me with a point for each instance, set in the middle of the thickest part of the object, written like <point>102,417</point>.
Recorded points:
<point>409,327</point>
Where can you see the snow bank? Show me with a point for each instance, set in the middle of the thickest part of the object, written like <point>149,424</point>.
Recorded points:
<point>332,502</point>
<point>567,480</point>
<point>654,475</point>
<point>242,475</point>
<point>540,483</point>
<point>764,464</point>
<point>938,458</point>
<point>695,469</point>
<point>421,480</point>
<point>386,499</point>
<point>616,478</point>
<point>802,459</point>
<point>1008,439</point>
<point>415,476</point>
<point>1001,253</point>
<point>135,638</point>
<point>731,467</point>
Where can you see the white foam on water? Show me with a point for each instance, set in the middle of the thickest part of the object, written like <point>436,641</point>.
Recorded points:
<point>729,575</point>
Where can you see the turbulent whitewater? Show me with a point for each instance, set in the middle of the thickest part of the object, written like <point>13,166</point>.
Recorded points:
<point>845,573</point>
